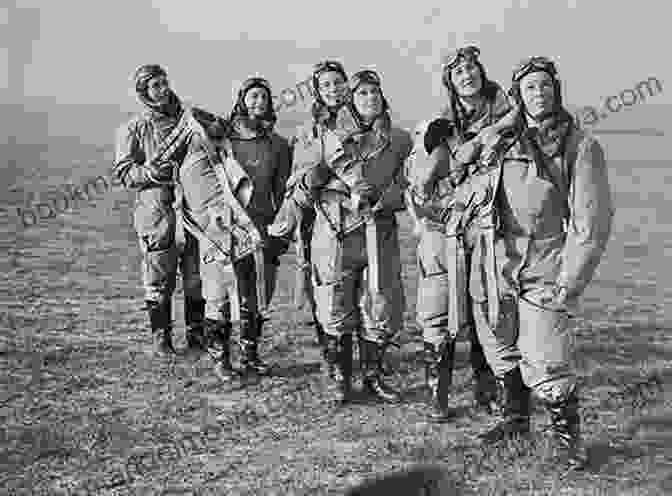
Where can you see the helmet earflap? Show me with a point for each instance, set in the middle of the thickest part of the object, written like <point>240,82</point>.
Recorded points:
<point>514,93</point>
<point>557,88</point>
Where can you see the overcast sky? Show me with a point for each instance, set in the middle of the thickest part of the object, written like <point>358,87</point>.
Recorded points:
<point>85,51</point>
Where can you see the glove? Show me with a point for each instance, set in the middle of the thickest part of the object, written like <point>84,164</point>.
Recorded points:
<point>425,169</point>
<point>561,299</point>
<point>162,172</point>
<point>302,287</point>
<point>316,177</point>
<point>362,195</point>
<point>489,138</point>
<point>286,221</point>
<point>137,177</point>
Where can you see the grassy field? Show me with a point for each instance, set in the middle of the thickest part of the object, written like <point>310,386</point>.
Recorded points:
<point>86,409</point>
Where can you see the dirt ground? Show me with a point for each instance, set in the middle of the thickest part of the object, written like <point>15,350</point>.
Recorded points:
<point>86,409</point>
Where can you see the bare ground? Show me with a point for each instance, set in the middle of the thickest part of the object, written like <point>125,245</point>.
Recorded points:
<point>86,407</point>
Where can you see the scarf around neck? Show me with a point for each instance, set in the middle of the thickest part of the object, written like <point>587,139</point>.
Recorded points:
<point>244,128</point>
<point>369,136</point>
<point>161,111</point>
<point>495,104</point>
<point>324,115</point>
<point>550,136</point>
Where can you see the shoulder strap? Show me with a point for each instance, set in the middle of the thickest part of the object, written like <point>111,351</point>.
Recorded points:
<point>494,202</point>
<point>570,152</point>
<point>174,139</point>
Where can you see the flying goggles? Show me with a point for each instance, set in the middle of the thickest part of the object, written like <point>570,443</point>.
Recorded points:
<point>469,53</point>
<point>328,66</point>
<point>365,76</point>
<point>256,81</point>
<point>534,64</point>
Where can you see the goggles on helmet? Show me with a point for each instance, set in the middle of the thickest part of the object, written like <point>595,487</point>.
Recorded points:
<point>256,81</point>
<point>452,59</point>
<point>328,66</point>
<point>534,64</point>
<point>365,76</point>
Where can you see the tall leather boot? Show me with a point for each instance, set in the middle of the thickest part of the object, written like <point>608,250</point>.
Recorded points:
<point>160,319</point>
<point>515,404</point>
<point>373,377</point>
<point>217,342</point>
<point>345,364</point>
<point>385,369</point>
<point>250,362</point>
<point>566,428</point>
<point>330,353</point>
<point>338,355</point>
<point>320,336</point>
<point>438,378</point>
<point>484,381</point>
<point>194,315</point>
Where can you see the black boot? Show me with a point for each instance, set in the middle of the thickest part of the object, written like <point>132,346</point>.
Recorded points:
<point>250,332</point>
<point>160,320</point>
<point>515,404</point>
<point>485,392</point>
<point>320,336</point>
<point>194,314</point>
<point>345,365</point>
<point>331,353</point>
<point>566,428</point>
<point>217,342</point>
<point>438,378</point>
<point>385,369</point>
<point>338,356</point>
<point>373,376</point>
<point>250,363</point>
<point>484,381</point>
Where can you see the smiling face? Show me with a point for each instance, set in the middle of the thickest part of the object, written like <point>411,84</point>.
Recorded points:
<point>467,78</point>
<point>158,89</point>
<point>368,101</point>
<point>331,86</point>
<point>256,101</point>
<point>537,93</point>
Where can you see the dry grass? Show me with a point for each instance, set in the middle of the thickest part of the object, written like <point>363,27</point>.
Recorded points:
<point>83,404</point>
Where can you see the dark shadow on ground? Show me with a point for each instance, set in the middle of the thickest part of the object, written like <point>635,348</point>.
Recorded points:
<point>427,480</point>
<point>601,453</point>
<point>295,370</point>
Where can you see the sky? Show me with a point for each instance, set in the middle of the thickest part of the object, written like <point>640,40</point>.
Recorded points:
<point>83,52</point>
